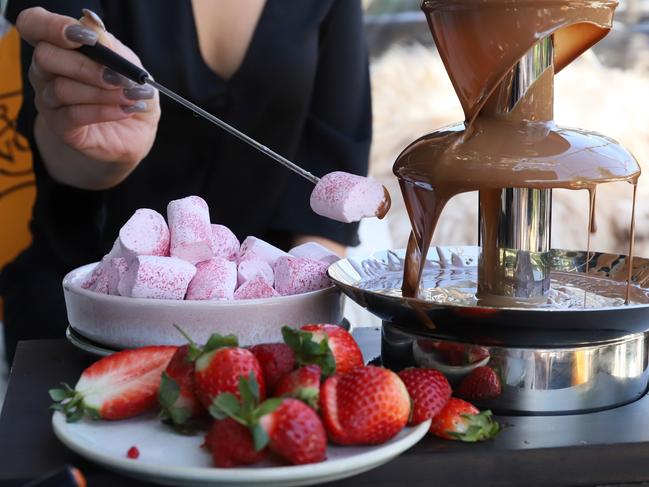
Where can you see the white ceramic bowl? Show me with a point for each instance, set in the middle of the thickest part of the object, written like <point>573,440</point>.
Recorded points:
<point>121,322</point>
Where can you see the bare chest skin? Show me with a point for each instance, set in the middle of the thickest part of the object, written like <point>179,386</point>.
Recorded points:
<point>225,29</point>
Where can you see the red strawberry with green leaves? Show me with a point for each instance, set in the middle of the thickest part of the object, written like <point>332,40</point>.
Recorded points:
<point>366,406</point>
<point>276,360</point>
<point>290,429</point>
<point>429,391</point>
<point>231,444</point>
<point>329,346</point>
<point>302,384</point>
<point>220,364</point>
<point>481,384</point>
<point>178,401</point>
<point>119,386</point>
<point>460,420</point>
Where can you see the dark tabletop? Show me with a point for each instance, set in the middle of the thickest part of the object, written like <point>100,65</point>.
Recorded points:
<point>608,447</point>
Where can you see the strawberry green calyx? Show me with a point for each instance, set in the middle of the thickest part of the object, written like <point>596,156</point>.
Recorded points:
<point>309,351</point>
<point>214,342</point>
<point>176,416</point>
<point>248,411</point>
<point>70,402</point>
<point>479,427</point>
<point>308,395</point>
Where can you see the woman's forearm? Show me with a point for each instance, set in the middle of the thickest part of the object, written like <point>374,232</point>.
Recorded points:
<point>69,166</point>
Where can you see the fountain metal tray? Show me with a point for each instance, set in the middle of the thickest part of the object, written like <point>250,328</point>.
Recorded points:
<point>374,282</point>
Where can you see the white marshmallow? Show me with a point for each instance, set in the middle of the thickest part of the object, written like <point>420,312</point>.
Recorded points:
<point>190,228</point>
<point>255,248</point>
<point>224,243</point>
<point>248,269</point>
<point>145,233</point>
<point>114,271</point>
<point>314,251</point>
<point>214,279</point>
<point>156,277</point>
<point>297,275</point>
<point>255,288</point>
<point>349,198</point>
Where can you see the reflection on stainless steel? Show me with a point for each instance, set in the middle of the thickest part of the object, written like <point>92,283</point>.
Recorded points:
<point>534,381</point>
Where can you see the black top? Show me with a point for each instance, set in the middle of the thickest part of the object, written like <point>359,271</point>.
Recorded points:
<point>302,89</point>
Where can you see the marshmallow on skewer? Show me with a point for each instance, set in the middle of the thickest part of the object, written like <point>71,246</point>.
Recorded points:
<point>214,279</point>
<point>145,233</point>
<point>251,268</point>
<point>255,288</point>
<point>224,243</point>
<point>349,198</point>
<point>255,248</point>
<point>297,275</point>
<point>190,228</point>
<point>150,276</point>
<point>314,251</point>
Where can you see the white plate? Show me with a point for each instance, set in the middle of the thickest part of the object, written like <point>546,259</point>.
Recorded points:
<point>172,459</point>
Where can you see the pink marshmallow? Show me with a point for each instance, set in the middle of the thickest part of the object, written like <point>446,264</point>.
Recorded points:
<point>90,281</point>
<point>114,272</point>
<point>314,251</point>
<point>349,198</point>
<point>156,277</point>
<point>248,269</point>
<point>255,248</point>
<point>297,275</point>
<point>145,233</point>
<point>255,288</point>
<point>214,279</point>
<point>190,228</point>
<point>224,243</point>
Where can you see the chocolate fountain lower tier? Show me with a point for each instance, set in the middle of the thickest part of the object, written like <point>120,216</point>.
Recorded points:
<point>581,350</point>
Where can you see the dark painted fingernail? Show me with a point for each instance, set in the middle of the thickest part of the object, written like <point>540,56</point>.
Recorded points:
<point>140,106</point>
<point>96,19</point>
<point>82,35</point>
<point>114,78</point>
<point>138,92</point>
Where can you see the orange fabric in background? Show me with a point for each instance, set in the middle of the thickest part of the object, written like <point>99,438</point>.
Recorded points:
<point>17,188</point>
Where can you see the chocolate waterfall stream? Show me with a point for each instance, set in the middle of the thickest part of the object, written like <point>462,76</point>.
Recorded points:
<point>520,147</point>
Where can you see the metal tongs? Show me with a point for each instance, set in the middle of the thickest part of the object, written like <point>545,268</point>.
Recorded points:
<point>117,63</point>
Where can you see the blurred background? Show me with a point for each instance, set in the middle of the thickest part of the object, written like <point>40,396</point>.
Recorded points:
<point>606,90</point>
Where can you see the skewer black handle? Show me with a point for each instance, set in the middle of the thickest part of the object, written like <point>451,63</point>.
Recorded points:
<point>114,61</point>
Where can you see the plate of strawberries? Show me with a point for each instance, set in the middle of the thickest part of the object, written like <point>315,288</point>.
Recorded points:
<point>301,412</point>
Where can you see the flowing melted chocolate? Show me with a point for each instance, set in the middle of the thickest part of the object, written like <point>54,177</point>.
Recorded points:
<point>480,42</point>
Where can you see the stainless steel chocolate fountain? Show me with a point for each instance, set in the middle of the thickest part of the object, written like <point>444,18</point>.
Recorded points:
<point>564,331</point>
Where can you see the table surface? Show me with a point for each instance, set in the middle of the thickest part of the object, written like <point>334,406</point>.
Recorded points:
<point>608,447</point>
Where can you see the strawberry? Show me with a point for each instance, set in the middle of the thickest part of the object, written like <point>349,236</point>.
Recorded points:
<point>429,391</point>
<point>119,386</point>
<point>366,406</point>
<point>460,420</point>
<point>303,384</point>
<point>231,444</point>
<point>276,360</point>
<point>295,433</point>
<point>329,346</point>
<point>177,398</point>
<point>481,384</point>
<point>291,429</point>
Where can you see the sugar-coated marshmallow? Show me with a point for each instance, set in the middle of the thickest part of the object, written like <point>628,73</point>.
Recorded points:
<point>314,251</point>
<point>190,228</point>
<point>224,243</point>
<point>255,288</point>
<point>115,270</point>
<point>349,198</point>
<point>214,279</point>
<point>296,275</point>
<point>255,248</point>
<point>145,233</point>
<point>157,277</point>
<point>251,268</point>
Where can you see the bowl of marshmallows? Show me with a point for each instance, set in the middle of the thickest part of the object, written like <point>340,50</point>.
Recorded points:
<point>189,272</point>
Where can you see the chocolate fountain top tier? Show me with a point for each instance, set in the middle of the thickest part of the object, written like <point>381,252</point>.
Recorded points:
<point>480,41</point>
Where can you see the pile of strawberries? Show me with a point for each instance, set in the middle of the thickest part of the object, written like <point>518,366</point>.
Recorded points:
<point>284,400</point>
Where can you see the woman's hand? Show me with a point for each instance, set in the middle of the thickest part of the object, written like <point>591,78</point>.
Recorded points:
<point>93,125</point>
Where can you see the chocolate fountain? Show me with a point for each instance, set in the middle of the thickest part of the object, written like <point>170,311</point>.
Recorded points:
<point>564,331</point>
